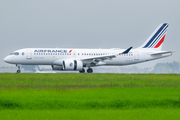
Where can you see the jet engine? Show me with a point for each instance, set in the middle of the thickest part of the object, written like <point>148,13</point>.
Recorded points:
<point>57,67</point>
<point>72,65</point>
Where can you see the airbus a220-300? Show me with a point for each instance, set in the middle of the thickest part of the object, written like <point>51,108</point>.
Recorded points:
<point>69,59</point>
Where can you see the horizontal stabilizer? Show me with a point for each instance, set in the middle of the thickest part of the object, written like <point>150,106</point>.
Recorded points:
<point>161,52</point>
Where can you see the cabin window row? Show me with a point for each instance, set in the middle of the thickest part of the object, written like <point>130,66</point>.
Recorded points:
<point>126,54</point>
<point>93,54</point>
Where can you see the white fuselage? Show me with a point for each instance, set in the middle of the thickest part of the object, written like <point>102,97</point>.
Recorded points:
<point>48,56</point>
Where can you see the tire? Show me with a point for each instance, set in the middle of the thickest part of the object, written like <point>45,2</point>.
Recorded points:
<point>82,71</point>
<point>89,70</point>
<point>18,71</point>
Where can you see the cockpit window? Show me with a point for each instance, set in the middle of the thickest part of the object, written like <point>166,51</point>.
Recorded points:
<point>14,53</point>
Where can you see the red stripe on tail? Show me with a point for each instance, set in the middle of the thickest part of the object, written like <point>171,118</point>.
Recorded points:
<point>160,42</point>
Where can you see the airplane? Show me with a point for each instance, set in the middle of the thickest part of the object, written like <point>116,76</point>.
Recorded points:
<point>69,59</point>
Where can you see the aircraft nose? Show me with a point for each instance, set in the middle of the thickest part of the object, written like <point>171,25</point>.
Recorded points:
<point>7,59</point>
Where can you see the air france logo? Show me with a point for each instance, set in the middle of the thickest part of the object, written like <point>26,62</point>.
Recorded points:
<point>71,64</point>
<point>70,51</point>
<point>51,51</point>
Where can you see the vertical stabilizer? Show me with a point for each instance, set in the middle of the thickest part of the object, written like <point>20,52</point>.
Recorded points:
<point>156,39</point>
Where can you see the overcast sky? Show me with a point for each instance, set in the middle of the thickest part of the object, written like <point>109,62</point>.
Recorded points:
<point>86,24</point>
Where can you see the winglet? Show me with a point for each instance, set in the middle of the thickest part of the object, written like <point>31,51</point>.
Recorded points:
<point>126,51</point>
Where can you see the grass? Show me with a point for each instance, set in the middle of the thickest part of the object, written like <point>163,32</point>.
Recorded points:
<point>133,114</point>
<point>89,96</point>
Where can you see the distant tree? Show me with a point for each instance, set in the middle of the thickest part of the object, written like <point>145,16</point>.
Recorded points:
<point>173,67</point>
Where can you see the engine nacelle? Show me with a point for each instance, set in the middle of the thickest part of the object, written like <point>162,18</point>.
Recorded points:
<point>57,67</point>
<point>72,65</point>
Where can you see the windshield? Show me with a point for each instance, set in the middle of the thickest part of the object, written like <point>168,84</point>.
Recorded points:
<point>14,53</point>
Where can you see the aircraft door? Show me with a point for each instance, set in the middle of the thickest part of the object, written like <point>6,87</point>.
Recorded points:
<point>136,55</point>
<point>28,54</point>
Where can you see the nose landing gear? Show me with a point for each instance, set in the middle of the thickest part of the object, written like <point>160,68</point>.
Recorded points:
<point>19,69</point>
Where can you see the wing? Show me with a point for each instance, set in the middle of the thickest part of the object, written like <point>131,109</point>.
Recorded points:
<point>96,59</point>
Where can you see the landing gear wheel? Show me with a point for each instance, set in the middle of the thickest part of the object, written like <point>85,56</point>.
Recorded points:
<point>19,69</point>
<point>82,71</point>
<point>89,70</point>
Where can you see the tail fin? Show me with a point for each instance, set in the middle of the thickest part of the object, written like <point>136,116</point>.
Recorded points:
<point>156,39</point>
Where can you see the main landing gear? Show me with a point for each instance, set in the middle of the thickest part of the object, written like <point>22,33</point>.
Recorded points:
<point>19,69</point>
<point>89,70</point>
<point>82,71</point>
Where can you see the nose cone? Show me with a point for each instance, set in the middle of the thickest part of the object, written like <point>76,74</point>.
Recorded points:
<point>7,59</point>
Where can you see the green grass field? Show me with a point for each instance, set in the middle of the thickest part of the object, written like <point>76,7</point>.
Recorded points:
<point>89,96</point>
